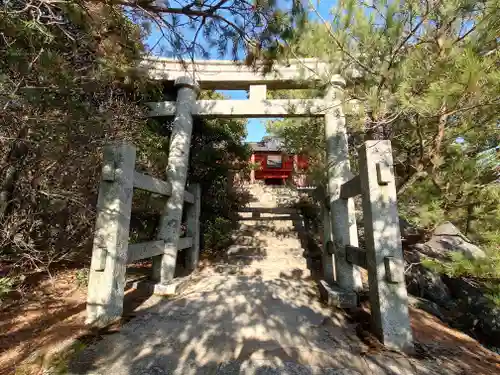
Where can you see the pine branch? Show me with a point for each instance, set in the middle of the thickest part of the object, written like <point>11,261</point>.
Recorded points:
<point>337,42</point>
<point>210,12</point>
<point>495,102</point>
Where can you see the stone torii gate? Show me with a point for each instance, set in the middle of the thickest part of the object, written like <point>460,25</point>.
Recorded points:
<point>307,73</point>
<point>342,258</point>
<point>209,74</point>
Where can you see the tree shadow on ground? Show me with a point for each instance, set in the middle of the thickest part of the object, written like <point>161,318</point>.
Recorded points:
<point>312,251</point>
<point>34,327</point>
<point>242,325</point>
<point>237,319</point>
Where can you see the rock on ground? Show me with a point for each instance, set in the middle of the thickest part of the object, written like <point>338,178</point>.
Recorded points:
<point>460,302</point>
<point>447,238</point>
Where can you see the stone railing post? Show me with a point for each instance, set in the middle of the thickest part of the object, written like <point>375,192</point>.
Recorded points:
<point>328,263</point>
<point>178,160</point>
<point>109,254</point>
<point>252,171</point>
<point>193,212</point>
<point>342,215</point>
<point>388,295</point>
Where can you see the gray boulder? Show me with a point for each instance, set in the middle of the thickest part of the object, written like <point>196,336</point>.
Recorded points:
<point>409,233</point>
<point>459,301</point>
<point>447,238</point>
<point>435,289</point>
<point>422,282</point>
<point>427,306</point>
<point>489,324</point>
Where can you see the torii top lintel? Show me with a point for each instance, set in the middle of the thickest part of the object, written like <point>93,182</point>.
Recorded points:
<point>229,75</point>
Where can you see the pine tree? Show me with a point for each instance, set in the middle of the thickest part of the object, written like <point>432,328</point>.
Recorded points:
<point>426,77</point>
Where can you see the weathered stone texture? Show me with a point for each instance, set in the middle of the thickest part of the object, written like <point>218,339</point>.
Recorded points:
<point>342,213</point>
<point>178,159</point>
<point>388,296</point>
<point>193,227</point>
<point>110,249</point>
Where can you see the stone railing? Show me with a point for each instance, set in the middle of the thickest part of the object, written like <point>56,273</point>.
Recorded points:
<point>383,256</point>
<point>111,250</point>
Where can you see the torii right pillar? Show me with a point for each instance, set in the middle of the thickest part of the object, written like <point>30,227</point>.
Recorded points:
<point>342,214</point>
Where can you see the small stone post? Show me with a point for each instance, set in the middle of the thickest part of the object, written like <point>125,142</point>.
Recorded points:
<point>328,259</point>
<point>109,254</point>
<point>252,171</point>
<point>388,296</point>
<point>178,160</point>
<point>342,215</point>
<point>193,212</point>
<point>294,176</point>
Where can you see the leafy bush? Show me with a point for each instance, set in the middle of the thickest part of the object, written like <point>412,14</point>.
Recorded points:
<point>459,265</point>
<point>67,88</point>
<point>6,286</point>
<point>217,233</point>
<point>486,270</point>
<point>82,277</point>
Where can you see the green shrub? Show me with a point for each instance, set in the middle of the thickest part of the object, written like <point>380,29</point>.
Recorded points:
<point>218,233</point>
<point>487,270</point>
<point>6,286</point>
<point>82,277</point>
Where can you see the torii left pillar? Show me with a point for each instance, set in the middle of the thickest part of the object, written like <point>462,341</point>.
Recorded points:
<point>342,214</point>
<point>178,163</point>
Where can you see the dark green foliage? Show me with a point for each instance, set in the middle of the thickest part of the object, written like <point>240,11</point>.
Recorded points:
<point>217,153</point>
<point>67,90</point>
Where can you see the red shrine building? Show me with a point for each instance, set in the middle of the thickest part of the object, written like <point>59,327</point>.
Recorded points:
<point>273,166</point>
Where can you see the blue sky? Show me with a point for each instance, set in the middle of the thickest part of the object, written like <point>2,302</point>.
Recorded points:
<point>255,127</point>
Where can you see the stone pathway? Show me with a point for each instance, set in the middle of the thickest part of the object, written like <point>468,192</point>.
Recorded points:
<point>256,313</point>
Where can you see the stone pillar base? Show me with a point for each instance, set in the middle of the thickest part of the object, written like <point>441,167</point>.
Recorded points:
<point>176,286</point>
<point>335,296</point>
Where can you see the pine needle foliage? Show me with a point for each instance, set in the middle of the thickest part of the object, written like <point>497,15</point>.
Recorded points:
<point>426,76</point>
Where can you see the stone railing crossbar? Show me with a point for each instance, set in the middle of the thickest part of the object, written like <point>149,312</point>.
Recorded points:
<point>143,250</point>
<point>356,255</point>
<point>156,186</point>
<point>151,184</point>
<point>351,188</point>
<point>265,210</point>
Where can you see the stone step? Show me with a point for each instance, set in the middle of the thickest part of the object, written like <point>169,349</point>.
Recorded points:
<point>269,367</point>
<point>265,250</point>
<point>262,269</point>
<point>268,210</point>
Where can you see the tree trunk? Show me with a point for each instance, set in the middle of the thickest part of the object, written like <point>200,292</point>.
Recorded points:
<point>14,161</point>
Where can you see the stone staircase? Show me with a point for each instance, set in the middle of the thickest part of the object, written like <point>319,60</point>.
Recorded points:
<point>267,242</point>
